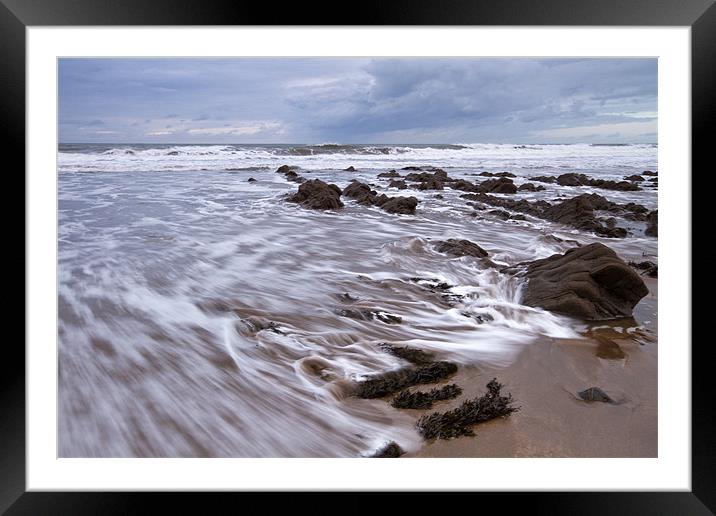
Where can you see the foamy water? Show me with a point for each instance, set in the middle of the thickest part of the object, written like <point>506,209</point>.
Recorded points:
<point>166,271</point>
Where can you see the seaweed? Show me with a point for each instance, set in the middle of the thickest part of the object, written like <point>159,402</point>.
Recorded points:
<point>457,422</point>
<point>412,355</point>
<point>425,400</point>
<point>394,381</point>
<point>390,451</point>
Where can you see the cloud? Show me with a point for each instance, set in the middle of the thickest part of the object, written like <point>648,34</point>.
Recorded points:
<point>382,100</point>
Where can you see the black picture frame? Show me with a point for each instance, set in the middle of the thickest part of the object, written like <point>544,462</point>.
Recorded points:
<point>16,15</point>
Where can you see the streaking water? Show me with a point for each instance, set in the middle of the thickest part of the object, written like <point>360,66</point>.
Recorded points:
<point>165,270</point>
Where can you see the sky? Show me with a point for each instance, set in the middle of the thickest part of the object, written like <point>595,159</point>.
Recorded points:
<point>358,100</point>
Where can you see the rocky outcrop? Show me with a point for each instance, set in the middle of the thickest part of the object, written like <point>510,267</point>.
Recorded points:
<point>498,174</point>
<point>572,179</point>
<point>649,173</point>
<point>349,169</point>
<point>400,185</point>
<point>457,247</point>
<point>502,185</point>
<point>530,187</point>
<point>578,212</point>
<point>589,282</point>
<point>400,205</point>
<point>363,194</point>
<point>634,177</point>
<point>317,195</point>
<point>391,173</point>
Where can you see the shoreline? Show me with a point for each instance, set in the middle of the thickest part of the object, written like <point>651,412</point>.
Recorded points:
<point>553,421</point>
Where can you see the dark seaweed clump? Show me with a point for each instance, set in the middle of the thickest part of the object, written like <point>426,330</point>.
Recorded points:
<point>390,451</point>
<point>394,381</point>
<point>457,422</point>
<point>425,400</point>
<point>412,355</point>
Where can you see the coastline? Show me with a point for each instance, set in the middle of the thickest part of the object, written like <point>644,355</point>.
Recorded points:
<point>553,421</point>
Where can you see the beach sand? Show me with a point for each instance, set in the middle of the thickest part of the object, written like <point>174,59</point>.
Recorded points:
<point>553,421</point>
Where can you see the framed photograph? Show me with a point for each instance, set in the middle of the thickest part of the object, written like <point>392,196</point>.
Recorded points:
<point>260,255</point>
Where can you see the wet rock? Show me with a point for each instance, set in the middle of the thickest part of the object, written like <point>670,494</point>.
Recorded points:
<point>652,221</point>
<point>391,173</point>
<point>389,451</point>
<point>544,179</point>
<point>251,180</point>
<point>502,185</point>
<point>648,268</point>
<point>478,318</point>
<point>346,298</point>
<point>292,176</point>
<point>649,173</point>
<point>498,174</point>
<point>457,247</point>
<point>458,422</point>
<point>439,176</point>
<point>518,217</point>
<point>634,177</point>
<point>595,394</point>
<point>400,205</point>
<point>173,153</point>
<point>530,187</point>
<point>349,169</point>
<point>466,186</point>
<point>400,185</point>
<point>425,400</point>
<point>589,282</point>
<point>500,214</point>
<point>394,381</point>
<point>411,168</point>
<point>283,169</point>
<point>253,325</point>
<point>366,314</point>
<point>431,184</point>
<point>572,179</point>
<point>578,212</point>
<point>317,195</point>
<point>439,196</point>
<point>361,192</point>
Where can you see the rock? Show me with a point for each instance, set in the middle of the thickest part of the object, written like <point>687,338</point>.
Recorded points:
<point>317,195</point>
<point>411,168</point>
<point>502,214</point>
<point>292,176</point>
<point>401,205</point>
<point>518,217</point>
<point>431,184</point>
<point>634,177</point>
<point>466,186</point>
<point>457,247</point>
<point>391,173</point>
<point>544,179</point>
<point>649,173</point>
<point>366,314</point>
<point>389,451</point>
<point>251,180</point>
<point>529,187</point>
<point>652,221</point>
<point>349,169</point>
<point>501,185</point>
<point>439,196</point>
<point>572,179</point>
<point>589,282</point>
<point>361,192</point>
<point>400,185</point>
<point>283,169</point>
<point>498,174</point>
<point>579,213</point>
<point>595,394</point>
<point>649,268</point>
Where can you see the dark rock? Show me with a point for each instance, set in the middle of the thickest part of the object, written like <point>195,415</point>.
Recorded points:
<point>425,400</point>
<point>466,186</point>
<point>458,422</point>
<point>411,168</point>
<point>401,205</point>
<point>389,451</point>
<point>349,169</point>
<point>400,185</point>
<point>652,221</point>
<point>498,174</point>
<point>649,173</point>
<point>501,185</point>
<point>579,213</point>
<point>544,179</point>
<point>317,195</point>
<point>528,187</point>
<point>589,282</point>
<point>572,179</point>
<point>361,192</point>
<point>431,184</point>
<point>649,268</point>
<point>283,169</point>
<point>292,176</point>
<point>518,217</point>
<point>595,394</point>
<point>460,248</point>
<point>365,314</point>
<point>251,180</point>
<point>634,177</point>
<point>439,196</point>
<point>391,173</point>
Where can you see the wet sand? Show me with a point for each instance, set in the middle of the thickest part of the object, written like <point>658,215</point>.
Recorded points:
<point>553,421</point>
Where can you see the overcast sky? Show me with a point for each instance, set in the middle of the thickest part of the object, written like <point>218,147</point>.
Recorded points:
<point>358,100</point>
